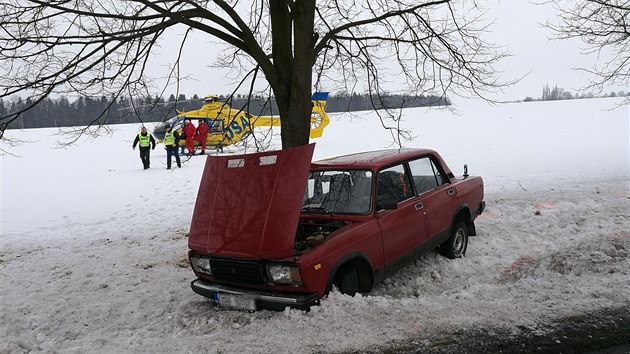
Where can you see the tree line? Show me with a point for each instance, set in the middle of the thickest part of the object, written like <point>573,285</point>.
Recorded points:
<point>62,112</point>
<point>558,93</point>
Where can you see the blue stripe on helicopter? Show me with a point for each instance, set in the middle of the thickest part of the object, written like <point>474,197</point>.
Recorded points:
<point>319,96</point>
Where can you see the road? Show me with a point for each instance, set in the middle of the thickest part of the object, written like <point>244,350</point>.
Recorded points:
<point>603,332</point>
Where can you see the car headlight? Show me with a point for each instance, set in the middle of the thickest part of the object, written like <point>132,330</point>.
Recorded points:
<point>200,264</point>
<point>284,274</point>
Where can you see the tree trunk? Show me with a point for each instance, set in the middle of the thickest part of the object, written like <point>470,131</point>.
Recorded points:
<point>293,93</point>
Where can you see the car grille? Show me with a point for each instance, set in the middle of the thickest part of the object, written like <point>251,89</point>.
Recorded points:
<point>238,271</point>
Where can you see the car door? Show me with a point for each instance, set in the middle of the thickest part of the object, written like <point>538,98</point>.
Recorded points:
<point>436,194</point>
<point>404,227</point>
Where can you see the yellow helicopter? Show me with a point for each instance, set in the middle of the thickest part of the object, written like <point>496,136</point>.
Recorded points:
<point>228,125</point>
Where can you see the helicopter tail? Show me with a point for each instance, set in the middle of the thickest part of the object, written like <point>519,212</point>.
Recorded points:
<point>319,118</point>
<point>320,96</point>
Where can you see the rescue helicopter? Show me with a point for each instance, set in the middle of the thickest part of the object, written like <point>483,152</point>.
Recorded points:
<point>229,125</point>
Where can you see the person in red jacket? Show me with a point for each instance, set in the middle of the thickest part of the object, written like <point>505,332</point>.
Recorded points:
<point>202,134</point>
<point>190,131</point>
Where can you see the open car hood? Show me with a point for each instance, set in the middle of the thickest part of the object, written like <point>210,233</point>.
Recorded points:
<point>249,205</point>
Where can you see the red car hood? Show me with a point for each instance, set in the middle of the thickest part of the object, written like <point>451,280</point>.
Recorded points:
<point>249,205</point>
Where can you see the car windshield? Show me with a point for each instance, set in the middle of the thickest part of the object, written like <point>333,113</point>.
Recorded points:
<point>338,191</point>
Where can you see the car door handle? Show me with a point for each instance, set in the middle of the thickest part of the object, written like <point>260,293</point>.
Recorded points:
<point>451,191</point>
<point>419,206</point>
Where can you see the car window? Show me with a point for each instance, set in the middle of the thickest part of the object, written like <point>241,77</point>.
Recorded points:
<point>338,191</point>
<point>393,185</point>
<point>426,176</point>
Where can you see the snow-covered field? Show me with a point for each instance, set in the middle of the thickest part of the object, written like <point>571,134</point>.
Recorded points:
<point>93,247</point>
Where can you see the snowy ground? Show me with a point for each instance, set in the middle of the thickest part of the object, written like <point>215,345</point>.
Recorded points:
<point>93,248</point>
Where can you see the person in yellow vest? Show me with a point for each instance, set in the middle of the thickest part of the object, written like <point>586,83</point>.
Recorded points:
<point>147,143</point>
<point>171,141</point>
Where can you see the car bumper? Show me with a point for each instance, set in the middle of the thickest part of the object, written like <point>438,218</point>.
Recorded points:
<point>252,300</point>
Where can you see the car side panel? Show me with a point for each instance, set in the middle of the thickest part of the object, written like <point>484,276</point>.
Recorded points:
<point>470,193</point>
<point>359,239</point>
<point>439,207</point>
<point>402,229</point>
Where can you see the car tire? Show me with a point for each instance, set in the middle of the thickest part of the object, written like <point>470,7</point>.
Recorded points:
<point>455,246</point>
<point>348,280</point>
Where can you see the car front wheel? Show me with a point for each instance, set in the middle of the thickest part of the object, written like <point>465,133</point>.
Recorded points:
<point>348,280</point>
<point>455,246</point>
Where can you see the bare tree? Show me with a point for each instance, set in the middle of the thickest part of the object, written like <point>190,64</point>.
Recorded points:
<point>104,47</point>
<point>604,25</point>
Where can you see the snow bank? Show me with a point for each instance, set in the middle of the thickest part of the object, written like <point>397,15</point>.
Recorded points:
<point>93,248</point>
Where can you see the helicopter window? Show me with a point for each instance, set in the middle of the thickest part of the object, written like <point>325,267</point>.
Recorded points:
<point>175,121</point>
<point>216,126</point>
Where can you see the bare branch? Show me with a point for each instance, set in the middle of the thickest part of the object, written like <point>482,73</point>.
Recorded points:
<point>604,26</point>
<point>104,47</point>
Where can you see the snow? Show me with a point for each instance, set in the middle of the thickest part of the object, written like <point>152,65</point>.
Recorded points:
<point>93,247</point>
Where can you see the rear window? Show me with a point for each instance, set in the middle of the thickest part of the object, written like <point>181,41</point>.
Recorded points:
<point>426,175</point>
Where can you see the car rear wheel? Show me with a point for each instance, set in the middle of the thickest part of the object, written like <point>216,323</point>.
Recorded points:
<point>455,246</point>
<point>348,280</point>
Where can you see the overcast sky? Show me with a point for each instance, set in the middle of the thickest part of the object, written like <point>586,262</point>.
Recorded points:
<point>518,26</point>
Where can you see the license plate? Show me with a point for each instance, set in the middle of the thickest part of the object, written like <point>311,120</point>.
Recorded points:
<point>235,301</point>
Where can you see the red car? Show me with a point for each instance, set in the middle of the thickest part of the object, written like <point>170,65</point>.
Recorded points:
<point>260,239</point>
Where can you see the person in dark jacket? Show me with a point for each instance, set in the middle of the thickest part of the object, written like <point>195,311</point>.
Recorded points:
<point>182,136</point>
<point>147,143</point>
<point>171,141</point>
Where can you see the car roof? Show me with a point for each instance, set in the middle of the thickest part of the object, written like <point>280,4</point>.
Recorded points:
<point>371,159</point>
